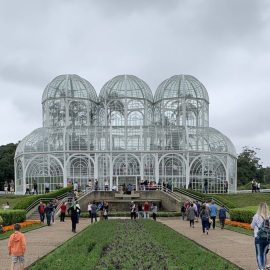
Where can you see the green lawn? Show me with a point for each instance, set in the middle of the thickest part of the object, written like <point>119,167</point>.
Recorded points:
<point>247,199</point>
<point>127,244</point>
<point>12,199</point>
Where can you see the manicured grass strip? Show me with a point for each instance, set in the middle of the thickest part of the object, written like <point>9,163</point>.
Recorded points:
<point>128,244</point>
<point>238,229</point>
<point>24,230</point>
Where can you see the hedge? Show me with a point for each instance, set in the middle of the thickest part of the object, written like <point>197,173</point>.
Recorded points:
<point>29,199</point>
<point>244,214</point>
<point>12,216</point>
<point>127,214</point>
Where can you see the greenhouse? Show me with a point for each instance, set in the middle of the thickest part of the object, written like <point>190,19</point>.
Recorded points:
<point>125,136</point>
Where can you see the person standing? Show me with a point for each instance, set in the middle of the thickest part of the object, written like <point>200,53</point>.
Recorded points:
<point>63,209</point>
<point>17,247</point>
<point>6,187</point>
<point>146,209</point>
<point>222,216</point>
<point>73,215</point>
<point>132,210</point>
<point>47,187</point>
<point>106,210</point>
<point>140,211</point>
<point>41,211</point>
<point>154,211</point>
<point>89,208</point>
<point>213,213</point>
<point>35,187</point>
<point>94,209</point>
<point>261,245</point>
<point>191,214</point>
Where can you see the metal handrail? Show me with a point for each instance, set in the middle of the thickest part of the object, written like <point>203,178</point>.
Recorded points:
<point>198,198</point>
<point>37,201</point>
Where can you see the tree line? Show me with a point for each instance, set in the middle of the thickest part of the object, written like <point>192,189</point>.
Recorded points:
<point>248,166</point>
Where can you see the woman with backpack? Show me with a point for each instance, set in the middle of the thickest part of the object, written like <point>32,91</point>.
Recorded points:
<point>260,224</point>
<point>205,216</point>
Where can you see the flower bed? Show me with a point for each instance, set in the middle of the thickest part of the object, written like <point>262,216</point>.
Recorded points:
<point>238,224</point>
<point>23,224</point>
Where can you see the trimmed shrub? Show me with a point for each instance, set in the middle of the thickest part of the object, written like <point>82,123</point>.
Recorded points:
<point>244,214</point>
<point>12,216</point>
<point>127,214</point>
<point>27,200</point>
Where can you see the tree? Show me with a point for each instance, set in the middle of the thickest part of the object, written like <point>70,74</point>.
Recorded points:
<point>249,167</point>
<point>7,153</point>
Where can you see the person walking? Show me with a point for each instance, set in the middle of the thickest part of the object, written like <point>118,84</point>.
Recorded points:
<point>73,211</point>
<point>183,211</point>
<point>204,214</point>
<point>106,210</point>
<point>191,214</point>
<point>41,211</point>
<point>222,216</point>
<point>213,213</point>
<point>48,213</point>
<point>154,211</point>
<point>259,220</point>
<point>17,247</point>
<point>63,209</point>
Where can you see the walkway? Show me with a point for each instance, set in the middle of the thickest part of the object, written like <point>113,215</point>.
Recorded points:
<point>42,241</point>
<point>235,247</point>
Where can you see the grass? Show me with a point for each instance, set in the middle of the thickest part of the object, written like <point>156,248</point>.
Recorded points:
<point>24,230</point>
<point>246,199</point>
<point>11,199</point>
<point>128,244</point>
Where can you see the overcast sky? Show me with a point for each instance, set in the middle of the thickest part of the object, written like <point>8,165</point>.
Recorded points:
<point>225,44</point>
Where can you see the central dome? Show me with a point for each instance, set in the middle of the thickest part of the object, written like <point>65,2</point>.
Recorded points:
<point>181,86</point>
<point>126,86</point>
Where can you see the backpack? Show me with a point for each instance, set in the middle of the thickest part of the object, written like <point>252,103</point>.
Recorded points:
<point>264,231</point>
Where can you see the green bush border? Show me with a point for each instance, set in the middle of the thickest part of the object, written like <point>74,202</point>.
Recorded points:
<point>28,200</point>
<point>12,216</point>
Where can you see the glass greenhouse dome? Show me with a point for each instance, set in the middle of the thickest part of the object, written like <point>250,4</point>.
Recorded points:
<point>125,136</point>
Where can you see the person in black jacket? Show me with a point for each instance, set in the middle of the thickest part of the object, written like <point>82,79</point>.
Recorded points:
<point>48,212</point>
<point>73,211</point>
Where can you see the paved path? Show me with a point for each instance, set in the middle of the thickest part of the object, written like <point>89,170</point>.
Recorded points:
<point>235,247</point>
<point>42,241</point>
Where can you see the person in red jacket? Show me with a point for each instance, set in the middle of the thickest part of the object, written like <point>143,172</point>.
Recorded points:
<point>17,247</point>
<point>63,208</point>
<point>146,208</point>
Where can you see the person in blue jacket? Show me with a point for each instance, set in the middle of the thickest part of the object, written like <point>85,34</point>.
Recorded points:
<point>222,216</point>
<point>213,213</point>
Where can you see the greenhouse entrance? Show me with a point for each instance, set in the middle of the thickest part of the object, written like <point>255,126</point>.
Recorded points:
<point>124,181</point>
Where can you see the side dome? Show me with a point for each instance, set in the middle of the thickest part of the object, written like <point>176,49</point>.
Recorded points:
<point>69,86</point>
<point>126,86</point>
<point>181,86</point>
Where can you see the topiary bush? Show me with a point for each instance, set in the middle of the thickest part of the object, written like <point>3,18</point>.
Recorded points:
<point>27,200</point>
<point>244,214</point>
<point>12,216</point>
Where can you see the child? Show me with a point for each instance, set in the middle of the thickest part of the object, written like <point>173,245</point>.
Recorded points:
<point>17,247</point>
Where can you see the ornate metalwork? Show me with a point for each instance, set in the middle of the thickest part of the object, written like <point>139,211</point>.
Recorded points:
<point>126,136</point>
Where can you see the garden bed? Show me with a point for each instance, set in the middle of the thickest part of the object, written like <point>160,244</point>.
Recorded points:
<point>129,244</point>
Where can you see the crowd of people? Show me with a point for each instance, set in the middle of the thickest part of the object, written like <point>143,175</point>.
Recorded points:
<point>207,212</point>
<point>9,187</point>
<point>143,210</point>
<point>255,186</point>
